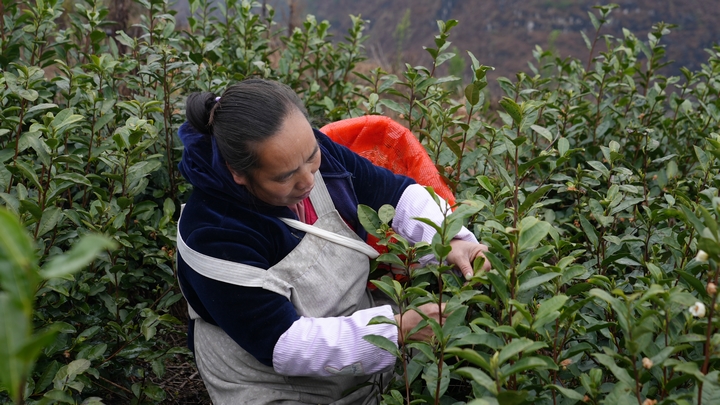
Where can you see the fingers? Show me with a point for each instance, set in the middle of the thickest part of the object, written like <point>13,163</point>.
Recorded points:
<point>412,317</point>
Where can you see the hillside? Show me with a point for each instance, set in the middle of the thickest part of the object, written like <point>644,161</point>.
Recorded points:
<point>503,33</point>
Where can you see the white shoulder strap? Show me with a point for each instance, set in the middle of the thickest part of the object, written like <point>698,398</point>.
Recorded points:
<point>333,237</point>
<point>221,270</point>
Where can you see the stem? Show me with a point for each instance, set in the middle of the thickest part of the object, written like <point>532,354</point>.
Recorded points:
<point>169,140</point>
<point>637,380</point>
<point>707,350</point>
<point>592,48</point>
<point>440,366</point>
<point>462,146</point>
<point>597,113</point>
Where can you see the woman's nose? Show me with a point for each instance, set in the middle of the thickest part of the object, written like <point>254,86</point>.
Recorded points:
<point>307,180</point>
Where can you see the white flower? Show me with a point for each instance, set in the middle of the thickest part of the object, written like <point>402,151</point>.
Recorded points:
<point>698,310</point>
<point>702,256</point>
<point>647,363</point>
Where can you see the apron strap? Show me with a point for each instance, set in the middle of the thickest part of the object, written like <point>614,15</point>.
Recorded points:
<point>221,270</point>
<point>320,197</point>
<point>342,240</point>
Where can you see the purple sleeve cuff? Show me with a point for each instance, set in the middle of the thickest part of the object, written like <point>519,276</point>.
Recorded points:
<point>335,346</point>
<point>416,202</point>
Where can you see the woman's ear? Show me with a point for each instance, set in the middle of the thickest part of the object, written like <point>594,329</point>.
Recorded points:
<point>240,179</point>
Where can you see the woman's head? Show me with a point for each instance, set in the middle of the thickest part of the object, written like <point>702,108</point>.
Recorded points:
<point>262,132</point>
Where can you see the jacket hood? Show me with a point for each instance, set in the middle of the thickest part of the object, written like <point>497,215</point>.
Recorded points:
<point>204,167</point>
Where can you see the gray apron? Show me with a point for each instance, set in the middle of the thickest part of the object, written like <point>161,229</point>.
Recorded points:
<point>322,278</point>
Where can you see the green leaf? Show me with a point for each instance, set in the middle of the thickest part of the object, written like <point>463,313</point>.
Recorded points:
<point>549,310</point>
<point>599,166</point>
<point>628,202</point>
<point>512,397</point>
<point>693,282</point>
<point>485,183</point>
<point>530,164</point>
<point>40,107</point>
<point>60,396</point>
<point>532,257</point>
<point>14,331</point>
<point>589,231</point>
<point>370,220</point>
<point>536,281</point>
<point>383,343</point>
<point>50,217</point>
<point>516,346</point>
<point>102,121</point>
<point>149,326</point>
<point>29,173</point>
<point>524,364</point>
<point>68,373</point>
<point>479,377</point>
<point>500,286</point>
<point>472,93</point>
<point>470,355</point>
<point>702,158</point>
<point>567,393</point>
<point>74,177</point>
<point>454,147</point>
<point>433,381</point>
<point>619,372</point>
<point>18,276</point>
<point>80,255</point>
<point>563,146</point>
<point>390,258</point>
<point>386,213</point>
<point>47,376</point>
<point>544,132</point>
<point>532,231</point>
<point>533,197</point>
<point>513,109</point>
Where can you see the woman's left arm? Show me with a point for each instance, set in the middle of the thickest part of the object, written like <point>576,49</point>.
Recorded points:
<point>416,202</point>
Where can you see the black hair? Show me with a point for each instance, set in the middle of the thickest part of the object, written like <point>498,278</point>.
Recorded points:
<point>247,113</point>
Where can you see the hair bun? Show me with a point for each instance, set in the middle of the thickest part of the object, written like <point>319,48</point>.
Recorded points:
<point>198,110</point>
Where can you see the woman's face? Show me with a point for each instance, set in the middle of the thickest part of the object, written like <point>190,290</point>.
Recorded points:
<point>288,161</point>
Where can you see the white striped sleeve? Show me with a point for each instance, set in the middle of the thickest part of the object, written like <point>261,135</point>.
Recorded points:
<point>335,346</point>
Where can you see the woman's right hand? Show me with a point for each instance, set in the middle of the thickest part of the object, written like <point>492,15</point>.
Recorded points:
<point>411,318</point>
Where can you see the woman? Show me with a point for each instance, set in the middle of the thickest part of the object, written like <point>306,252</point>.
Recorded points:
<point>278,314</point>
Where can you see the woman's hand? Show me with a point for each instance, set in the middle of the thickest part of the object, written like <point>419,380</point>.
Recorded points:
<point>411,318</point>
<point>464,253</point>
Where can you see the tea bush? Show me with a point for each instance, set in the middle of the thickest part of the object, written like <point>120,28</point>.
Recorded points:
<point>593,181</point>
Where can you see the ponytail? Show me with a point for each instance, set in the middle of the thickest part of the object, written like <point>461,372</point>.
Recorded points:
<point>198,111</point>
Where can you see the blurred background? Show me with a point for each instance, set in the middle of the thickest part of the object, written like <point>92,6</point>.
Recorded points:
<point>504,33</point>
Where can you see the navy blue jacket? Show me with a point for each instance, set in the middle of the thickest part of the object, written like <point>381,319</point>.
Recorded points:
<point>223,220</point>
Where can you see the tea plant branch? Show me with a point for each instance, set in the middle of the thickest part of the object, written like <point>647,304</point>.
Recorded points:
<point>115,385</point>
<point>707,349</point>
<point>490,149</point>
<point>597,112</point>
<point>167,125</point>
<point>592,48</point>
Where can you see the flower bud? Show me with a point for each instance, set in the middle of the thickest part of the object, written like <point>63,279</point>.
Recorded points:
<point>697,310</point>
<point>711,288</point>
<point>702,256</point>
<point>649,401</point>
<point>647,363</point>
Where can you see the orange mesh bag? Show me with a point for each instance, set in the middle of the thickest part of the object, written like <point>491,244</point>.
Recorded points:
<point>390,145</point>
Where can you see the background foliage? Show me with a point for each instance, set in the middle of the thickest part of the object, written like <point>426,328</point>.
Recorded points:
<point>594,182</point>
